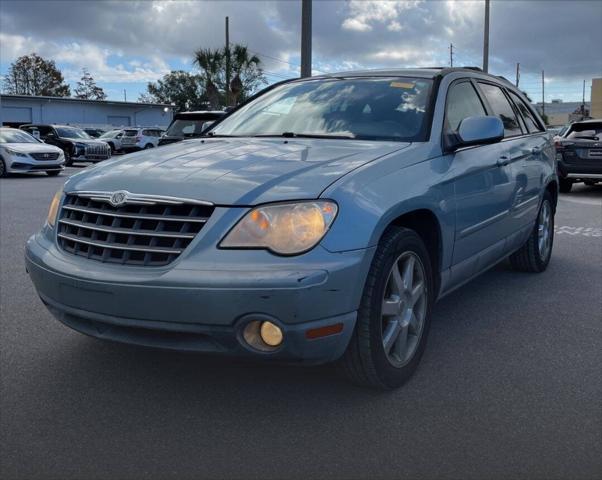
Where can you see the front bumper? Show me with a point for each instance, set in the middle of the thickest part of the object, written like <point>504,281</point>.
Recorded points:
<point>205,309</point>
<point>23,165</point>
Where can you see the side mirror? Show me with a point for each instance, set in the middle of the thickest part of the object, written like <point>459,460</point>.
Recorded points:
<point>478,131</point>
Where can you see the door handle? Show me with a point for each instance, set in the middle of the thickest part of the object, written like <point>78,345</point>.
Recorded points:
<point>503,161</point>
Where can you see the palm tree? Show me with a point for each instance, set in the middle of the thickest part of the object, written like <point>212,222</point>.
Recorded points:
<point>247,72</point>
<point>211,64</point>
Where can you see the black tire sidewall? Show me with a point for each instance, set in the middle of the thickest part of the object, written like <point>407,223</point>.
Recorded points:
<point>405,241</point>
<point>3,172</point>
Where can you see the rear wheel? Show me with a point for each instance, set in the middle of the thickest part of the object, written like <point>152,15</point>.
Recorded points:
<point>565,185</point>
<point>534,255</point>
<point>394,314</point>
<point>148,145</point>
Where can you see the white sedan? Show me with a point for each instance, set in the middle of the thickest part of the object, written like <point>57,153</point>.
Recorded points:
<point>22,153</point>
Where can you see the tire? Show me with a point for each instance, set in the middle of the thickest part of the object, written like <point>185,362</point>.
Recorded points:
<point>68,161</point>
<point>565,185</point>
<point>531,257</point>
<point>366,361</point>
<point>590,183</point>
<point>53,173</point>
<point>112,147</point>
<point>3,172</point>
<point>148,145</point>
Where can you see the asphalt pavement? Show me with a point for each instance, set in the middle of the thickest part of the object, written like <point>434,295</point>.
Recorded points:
<point>510,385</point>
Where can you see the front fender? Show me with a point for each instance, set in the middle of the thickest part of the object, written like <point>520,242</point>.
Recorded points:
<point>373,198</point>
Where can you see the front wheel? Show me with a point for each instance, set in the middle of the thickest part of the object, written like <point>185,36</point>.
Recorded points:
<point>3,172</point>
<point>394,315</point>
<point>68,160</point>
<point>534,256</point>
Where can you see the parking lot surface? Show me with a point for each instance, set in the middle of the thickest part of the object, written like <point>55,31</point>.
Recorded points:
<point>510,385</point>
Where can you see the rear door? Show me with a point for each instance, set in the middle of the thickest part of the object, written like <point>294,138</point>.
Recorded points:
<point>537,154</point>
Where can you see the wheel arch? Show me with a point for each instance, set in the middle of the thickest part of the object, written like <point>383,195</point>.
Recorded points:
<point>426,224</point>
<point>552,188</point>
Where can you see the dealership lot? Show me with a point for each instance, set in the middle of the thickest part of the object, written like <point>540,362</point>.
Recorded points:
<point>510,385</point>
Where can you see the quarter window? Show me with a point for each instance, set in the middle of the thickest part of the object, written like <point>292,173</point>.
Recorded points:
<point>532,124</point>
<point>502,108</point>
<point>462,102</point>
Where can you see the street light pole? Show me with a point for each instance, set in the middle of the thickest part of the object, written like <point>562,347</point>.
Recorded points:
<point>227,62</point>
<point>486,39</point>
<point>305,38</point>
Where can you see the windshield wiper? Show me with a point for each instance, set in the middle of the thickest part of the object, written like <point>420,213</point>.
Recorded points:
<point>306,135</point>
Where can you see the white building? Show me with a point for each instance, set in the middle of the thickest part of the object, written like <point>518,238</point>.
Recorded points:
<point>17,110</point>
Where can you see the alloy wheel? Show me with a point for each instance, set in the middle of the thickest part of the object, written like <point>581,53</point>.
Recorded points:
<point>404,308</point>
<point>544,237</point>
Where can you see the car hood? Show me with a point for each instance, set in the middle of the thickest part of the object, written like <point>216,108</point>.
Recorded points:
<point>31,147</point>
<point>85,141</point>
<point>234,171</point>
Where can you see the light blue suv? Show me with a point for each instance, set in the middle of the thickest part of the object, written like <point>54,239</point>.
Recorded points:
<point>320,221</point>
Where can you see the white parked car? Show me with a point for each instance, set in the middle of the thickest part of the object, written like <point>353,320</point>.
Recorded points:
<point>22,153</point>
<point>140,138</point>
<point>113,138</point>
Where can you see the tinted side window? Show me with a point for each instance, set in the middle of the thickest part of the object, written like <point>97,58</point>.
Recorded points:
<point>502,108</point>
<point>462,102</point>
<point>146,133</point>
<point>532,124</point>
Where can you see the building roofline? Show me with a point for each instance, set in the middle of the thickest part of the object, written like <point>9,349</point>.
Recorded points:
<point>81,100</point>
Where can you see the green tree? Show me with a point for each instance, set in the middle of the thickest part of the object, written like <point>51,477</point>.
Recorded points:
<point>246,73</point>
<point>33,75</point>
<point>87,88</point>
<point>179,88</point>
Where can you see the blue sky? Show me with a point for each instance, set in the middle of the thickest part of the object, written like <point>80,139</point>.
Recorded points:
<point>126,44</point>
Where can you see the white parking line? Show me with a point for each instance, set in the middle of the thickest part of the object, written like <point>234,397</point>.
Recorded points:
<point>583,231</point>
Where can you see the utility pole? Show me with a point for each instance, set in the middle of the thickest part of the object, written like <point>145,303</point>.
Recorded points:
<point>583,103</point>
<point>517,73</point>
<point>543,95</point>
<point>486,39</point>
<point>305,38</point>
<point>451,54</point>
<point>227,62</point>
<point>125,97</point>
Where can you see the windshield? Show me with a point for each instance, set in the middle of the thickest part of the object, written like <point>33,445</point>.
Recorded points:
<point>15,136</point>
<point>187,127</point>
<point>69,132</point>
<point>362,108</point>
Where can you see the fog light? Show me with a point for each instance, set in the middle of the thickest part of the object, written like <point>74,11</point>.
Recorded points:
<point>271,334</point>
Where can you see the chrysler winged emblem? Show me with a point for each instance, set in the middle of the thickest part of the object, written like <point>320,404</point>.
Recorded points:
<point>119,198</point>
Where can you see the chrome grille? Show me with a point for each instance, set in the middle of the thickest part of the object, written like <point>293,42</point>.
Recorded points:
<point>98,151</point>
<point>145,231</point>
<point>45,156</point>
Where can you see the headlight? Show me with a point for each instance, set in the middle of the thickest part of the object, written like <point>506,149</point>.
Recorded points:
<point>54,207</point>
<point>15,153</point>
<point>285,228</point>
